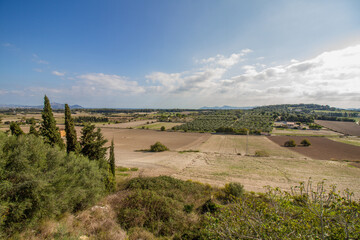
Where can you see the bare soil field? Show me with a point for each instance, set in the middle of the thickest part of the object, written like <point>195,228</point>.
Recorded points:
<point>349,128</point>
<point>308,132</point>
<point>132,124</point>
<point>321,148</point>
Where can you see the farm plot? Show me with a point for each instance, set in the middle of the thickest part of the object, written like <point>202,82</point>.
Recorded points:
<point>321,148</point>
<point>218,161</point>
<point>158,125</point>
<point>307,132</point>
<point>237,144</point>
<point>349,128</point>
<point>235,123</point>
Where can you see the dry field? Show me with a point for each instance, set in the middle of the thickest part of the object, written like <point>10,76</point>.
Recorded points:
<point>218,160</point>
<point>349,128</point>
<point>221,159</point>
<point>132,124</point>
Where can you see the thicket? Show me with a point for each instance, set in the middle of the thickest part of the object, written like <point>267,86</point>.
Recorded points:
<point>176,209</point>
<point>163,206</point>
<point>305,142</point>
<point>92,119</point>
<point>158,147</point>
<point>290,143</point>
<point>167,208</point>
<point>41,181</point>
<point>305,213</point>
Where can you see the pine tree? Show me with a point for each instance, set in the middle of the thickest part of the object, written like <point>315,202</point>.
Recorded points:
<point>15,129</point>
<point>112,158</point>
<point>92,143</point>
<point>72,145</point>
<point>48,127</point>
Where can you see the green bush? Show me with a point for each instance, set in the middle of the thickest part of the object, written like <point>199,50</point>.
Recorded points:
<point>158,214</point>
<point>284,215</point>
<point>158,147</point>
<point>39,181</point>
<point>261,153</point>
<point>162,128</point>
<point>305,143</point>
<point>290,143</point>
<point>234,190</point>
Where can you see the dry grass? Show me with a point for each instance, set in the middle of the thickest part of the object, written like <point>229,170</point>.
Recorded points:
<point>98,222</point>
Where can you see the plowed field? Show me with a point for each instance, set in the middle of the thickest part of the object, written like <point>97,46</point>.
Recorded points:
<point>349,128</point>
<point>321,148</point>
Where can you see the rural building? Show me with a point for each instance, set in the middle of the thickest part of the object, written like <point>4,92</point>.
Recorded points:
<point>62,133</point>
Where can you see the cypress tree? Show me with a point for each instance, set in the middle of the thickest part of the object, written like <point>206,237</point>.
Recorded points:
<point>112,158</point>
<point>72,145</point>
<point>33,130</point>
<point>92,143</point>
<point>48,127</point>
<point>15,129</point>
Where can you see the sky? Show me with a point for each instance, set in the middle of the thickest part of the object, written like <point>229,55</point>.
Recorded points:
<point>180,54</point>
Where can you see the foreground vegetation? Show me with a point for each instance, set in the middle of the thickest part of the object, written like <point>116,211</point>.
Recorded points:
<point>41,179</point>
<point>168,208</point>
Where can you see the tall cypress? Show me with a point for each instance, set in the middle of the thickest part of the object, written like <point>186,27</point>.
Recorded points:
<point>112,158</point>
<point>48,127</point>
<point>33,130</point>
<point>72,145</point>
<point>92,143</point>
<point>15,129</point>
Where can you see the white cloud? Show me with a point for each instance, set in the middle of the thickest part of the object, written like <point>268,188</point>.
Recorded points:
<point>7,45</point>
<point>332,77</point>
<point>2,92</point>
<point>37,59</point>
<point>58,73</point>
<point>96,83</point>
<point>203,80</point>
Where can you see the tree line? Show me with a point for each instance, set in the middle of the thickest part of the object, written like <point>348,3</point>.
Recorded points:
<point>43,177</point>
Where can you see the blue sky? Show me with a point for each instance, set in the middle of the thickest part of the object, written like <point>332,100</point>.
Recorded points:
<point>180,54</point>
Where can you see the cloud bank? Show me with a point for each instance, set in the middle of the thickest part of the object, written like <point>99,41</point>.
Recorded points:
<point>332,77</point>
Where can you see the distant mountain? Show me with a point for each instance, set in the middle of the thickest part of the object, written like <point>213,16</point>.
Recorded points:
<point>54,105</point>
<point>225,107</point>
<point>353,109</point>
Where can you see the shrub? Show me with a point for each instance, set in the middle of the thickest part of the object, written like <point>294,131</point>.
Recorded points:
<point>188,208</point>
<point>39,181</point>
<point>146,208</point>
<point>158,147</point>
<point>290,143</point>
<point>305,143</point>
<point>261,153</point>
<point>162,128</point>
<point>233,190</point>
